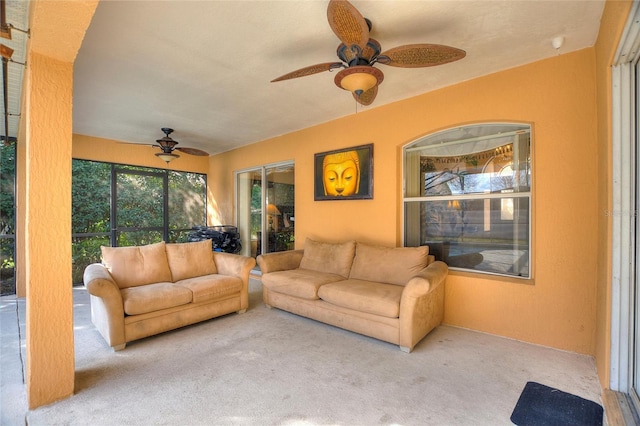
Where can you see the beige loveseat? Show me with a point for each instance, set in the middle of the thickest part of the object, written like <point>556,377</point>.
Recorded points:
<point>140,291</point>
<point>392,294</point>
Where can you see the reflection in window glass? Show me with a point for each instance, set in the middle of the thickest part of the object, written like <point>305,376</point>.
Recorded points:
<point>467,196</point>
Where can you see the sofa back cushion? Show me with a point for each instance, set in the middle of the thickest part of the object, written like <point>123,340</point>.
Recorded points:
<point>137,265</point>
<point>190,260</point>
<point>391,265</point>
<point>334,258</point>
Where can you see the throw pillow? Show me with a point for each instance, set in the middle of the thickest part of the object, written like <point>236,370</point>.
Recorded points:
<point>334,258</point>
<point>189,260</point>
<point>137,265</point>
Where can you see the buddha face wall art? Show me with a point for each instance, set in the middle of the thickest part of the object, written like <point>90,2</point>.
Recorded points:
<point>345,174</point>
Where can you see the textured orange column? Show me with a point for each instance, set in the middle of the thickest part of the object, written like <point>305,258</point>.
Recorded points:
<point>57,30</point>
<point>50,354</point>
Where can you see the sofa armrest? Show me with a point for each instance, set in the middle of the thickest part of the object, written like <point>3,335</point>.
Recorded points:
<point>234,264</point>
<point>422,304</point>
<point>239,266</point>
<point>427,279</point>
<point>280,261</point>
<point>99,282</point>
<point>107,308</point>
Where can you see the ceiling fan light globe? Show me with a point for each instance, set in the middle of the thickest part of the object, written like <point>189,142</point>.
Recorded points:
<point>358,82</point>
<point>359,79</point>
<point>167,157</point>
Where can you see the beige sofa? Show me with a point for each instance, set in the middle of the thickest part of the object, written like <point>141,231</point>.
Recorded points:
<point>392,294</point>
<point>140,291</point>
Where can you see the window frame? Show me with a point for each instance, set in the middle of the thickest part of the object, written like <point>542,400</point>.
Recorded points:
<point>528,195</point>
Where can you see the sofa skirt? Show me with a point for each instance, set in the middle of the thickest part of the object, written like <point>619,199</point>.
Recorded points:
<point>140,326</point>
<point>382,328</point>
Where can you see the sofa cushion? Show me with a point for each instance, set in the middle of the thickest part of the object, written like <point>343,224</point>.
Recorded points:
<point>364,296</point>
<point>334,258</point>
<point>388,265</point>
<point>188,260</point>
<point>212,287</point>
<point>137,265</point>
<point>302,283</point>
<point>154,297</point>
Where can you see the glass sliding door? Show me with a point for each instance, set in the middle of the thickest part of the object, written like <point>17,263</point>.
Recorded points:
<point>249,209</point>
<point>625,221</point>
<point>265,206</point>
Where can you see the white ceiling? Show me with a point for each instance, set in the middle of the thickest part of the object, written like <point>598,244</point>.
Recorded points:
<point>204,67</point>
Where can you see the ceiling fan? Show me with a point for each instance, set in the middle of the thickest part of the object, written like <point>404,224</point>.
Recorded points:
<point>168,145</point>
<point>359,53</point>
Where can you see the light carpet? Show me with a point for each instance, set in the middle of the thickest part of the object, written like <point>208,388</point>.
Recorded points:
<point>270,367</point>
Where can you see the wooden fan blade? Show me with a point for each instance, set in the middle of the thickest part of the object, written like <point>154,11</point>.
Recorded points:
<point>347,23</point>
<point>367,97</point>
<point>313,69</point>
<point>155,145</point>
<point>193,151</point>
<point>420,55</point>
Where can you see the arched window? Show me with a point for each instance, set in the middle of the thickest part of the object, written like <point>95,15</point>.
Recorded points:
<point>467,195</point>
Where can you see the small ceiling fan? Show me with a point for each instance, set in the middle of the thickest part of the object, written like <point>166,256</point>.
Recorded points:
<point>359,53</point>
<point>168,145</point>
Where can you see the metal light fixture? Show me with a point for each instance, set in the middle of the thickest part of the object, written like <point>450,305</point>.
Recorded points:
<point>167,145</point>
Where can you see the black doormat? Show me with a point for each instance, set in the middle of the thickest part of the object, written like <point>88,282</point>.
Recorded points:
<point>540,405</point>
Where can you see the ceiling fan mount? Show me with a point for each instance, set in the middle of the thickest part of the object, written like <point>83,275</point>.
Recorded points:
<point>359,53</point>
<point>166,143</point>
<point>168,146</point>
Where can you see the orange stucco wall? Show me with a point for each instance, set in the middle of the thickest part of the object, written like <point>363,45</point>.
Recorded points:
<point>558,97</point>
<point>611,27</point>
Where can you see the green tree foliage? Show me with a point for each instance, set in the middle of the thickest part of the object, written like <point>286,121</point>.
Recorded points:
<point>7,188</point>
<point>90,213</point>
<point>187,200</point>
<point>139,201</point>
<point>91,195</point>
<point>187,204</point>
<point>7,218</point>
